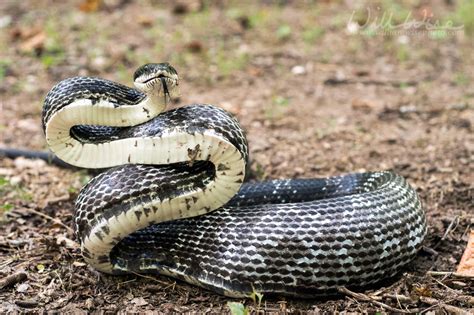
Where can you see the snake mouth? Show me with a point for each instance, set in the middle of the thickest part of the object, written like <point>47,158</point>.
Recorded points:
<point>161,77</point>
<point>166,80</point>
<point>162,84</point>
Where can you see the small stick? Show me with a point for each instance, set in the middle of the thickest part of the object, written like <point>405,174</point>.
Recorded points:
<point>398,297</point>
<point>429,250</point>
<point>167,284</point>
<point>451,226</point>
<point>336,81</point>
<point>465,299</point>
<point>12,279</point>
<point>365,298</point>
<point>450,274</point>
<point>449,308</point>
<point>50,218</point>
<point>26,303</point>
<point>444,285</point>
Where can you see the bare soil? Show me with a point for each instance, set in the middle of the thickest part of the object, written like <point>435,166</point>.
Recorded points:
<point>315,99</point>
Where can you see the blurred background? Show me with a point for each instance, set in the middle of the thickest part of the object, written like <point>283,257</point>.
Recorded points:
<point>321,87</point>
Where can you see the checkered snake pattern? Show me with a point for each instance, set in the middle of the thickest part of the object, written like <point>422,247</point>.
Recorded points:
<point>299,237</point>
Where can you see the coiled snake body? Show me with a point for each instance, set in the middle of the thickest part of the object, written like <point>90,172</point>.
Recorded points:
<point>173,199</point>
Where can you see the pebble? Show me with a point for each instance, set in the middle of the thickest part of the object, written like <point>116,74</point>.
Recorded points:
<point>298,70</point>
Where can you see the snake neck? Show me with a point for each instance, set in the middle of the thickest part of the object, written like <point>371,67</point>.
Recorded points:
<point>103,113</point>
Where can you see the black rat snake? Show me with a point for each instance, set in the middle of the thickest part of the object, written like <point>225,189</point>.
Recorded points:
<point>173,200</point>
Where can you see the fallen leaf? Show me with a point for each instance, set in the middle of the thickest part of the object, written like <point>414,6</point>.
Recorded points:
<point>89,6</point>
<point>237,308</point>
<point>194,46</point>
<point>22,288</point>
<point>363,104</point>
<point>466,266</point>
<point>145,20</point>
<point>139,301</point>
<point>78,264</point>
<point>68,243</point>
<point>34,43</point>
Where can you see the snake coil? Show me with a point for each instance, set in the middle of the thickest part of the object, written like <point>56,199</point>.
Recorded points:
<point>173,199</point>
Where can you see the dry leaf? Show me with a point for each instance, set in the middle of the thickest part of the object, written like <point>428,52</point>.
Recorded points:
<point>139,301</point>
<point>62,240</point>
<point>145,20</point>
<point>22,288</point>
<point>33,43</point>
<point>194,46</point>
<point>363,104</point>
<point>89,5</point>
<point>466,266</point>
<point>79,264</point>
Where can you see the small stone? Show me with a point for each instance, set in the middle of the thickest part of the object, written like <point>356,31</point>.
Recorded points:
<point>352,27</point>
<point>23,163</point>
<point>5,21</point>
<point>22,288</point>
<point>15,180</point>
<point>298,70</point>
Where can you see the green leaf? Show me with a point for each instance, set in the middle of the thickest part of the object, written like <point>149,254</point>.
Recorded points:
<point>40,268</point>
<point>237,308</point>
<point>256,297</point>
<point>6,207</point>
<point>3,181</point>
<point>284,32</point>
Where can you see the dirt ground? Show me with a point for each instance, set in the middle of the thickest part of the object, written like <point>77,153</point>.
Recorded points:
<point>319,94</point>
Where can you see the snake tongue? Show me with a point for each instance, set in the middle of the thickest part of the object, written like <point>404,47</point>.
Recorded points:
<point>165,88</point>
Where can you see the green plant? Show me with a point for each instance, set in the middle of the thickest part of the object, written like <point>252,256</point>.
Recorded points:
<point>12,191</point>
<point>403,53</point>
<point>313,34</point>
<point>6,207</point>
<point>54,52</point>
<point>4,65</point>
<point>258,18</point>
<point>228,65</point>
<point>461,78</point>
<point>277,108</point>
<point>438,34</point>
<point>465,15</point>
<point>237,308</point>
<point>256,297</point>
<point>283,32</point>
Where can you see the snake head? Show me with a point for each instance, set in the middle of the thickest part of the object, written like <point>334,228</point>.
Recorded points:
<point>157,78</point>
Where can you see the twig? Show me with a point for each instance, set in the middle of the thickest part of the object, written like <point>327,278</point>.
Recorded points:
<point>84,281</point>
<point>449,308</point>
<point>366,298</point>
<point>444,285</point>
<point>55,220</point>
<point>450,274</point>
<point>167,284</point>
<point>452,226</point>
<point>336,81</point>
<point>466,299</point>
<point>398,297</point>
<point>26,303</point>
<point>12,279</point>
<point>125,282</point>
<point>429,250</point>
